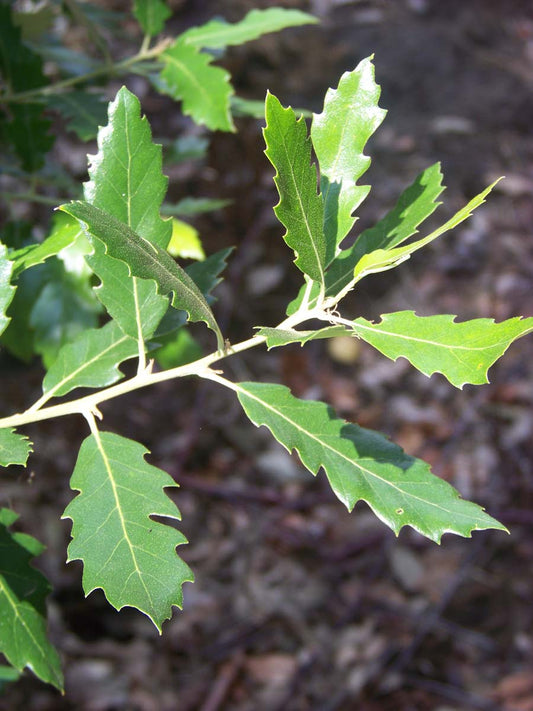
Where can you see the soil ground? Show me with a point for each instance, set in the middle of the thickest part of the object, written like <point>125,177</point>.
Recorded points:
<point>298,605</point>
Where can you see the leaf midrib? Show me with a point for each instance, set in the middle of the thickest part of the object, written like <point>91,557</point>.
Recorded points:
<point>341,454</point>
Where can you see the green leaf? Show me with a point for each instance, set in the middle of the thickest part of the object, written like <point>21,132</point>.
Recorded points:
<point>363,465</point>
<point>27,131</point>
<point>339,134</point>
<point>6,290</point>
<point>126,178</point>
<point>218,34</point>
<point>84,112</point>
<point>185,241</point>
<point>64,307</point>
<point>381,260</point>
<point>90,361</point>
<point>462,352</point>
<point>300,208</point>
<point>145,260</point>
<point>415,204</point>
<point>151,15</point>
<point>65,231</point>
<point>51,306</point>
<point>21,68</point>
<point>206,274</point>
<point>204,90</point>
<point>135,304</point>
<point>189,207</point>
<point>18,337</point>
<point>276,337</point>
<point>14,448</point>
<point>126,553</point>
<point>23,591</point>
<point>128,183</point>
<point>177,348</point>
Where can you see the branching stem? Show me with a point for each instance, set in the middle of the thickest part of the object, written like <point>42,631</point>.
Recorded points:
<point>90,403</point>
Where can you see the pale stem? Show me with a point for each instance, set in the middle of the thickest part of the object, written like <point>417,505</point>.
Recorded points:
<point>201,368</point>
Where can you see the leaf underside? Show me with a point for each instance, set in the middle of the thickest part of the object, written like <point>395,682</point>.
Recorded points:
<point>350,116</point>
<point>126,553</point>
<point>145,260</point>
<point>463,352</point>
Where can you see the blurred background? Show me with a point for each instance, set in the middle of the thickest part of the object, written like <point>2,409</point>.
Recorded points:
<point>297,604</point>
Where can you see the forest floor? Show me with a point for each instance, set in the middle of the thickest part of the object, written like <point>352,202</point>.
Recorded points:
<point>297,604</point>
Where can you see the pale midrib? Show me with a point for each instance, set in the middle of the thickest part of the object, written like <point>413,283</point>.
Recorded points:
<point>21,619</point>
<point>136,305</point>
<point>118,507</point>
<point>447,346</point>
<point>192,78</point>
<point>324,445</point>
<point>304,214</point>
<point>86,364</point>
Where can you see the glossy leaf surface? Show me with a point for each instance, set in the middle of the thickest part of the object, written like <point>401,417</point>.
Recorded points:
<point>300,207</point>
<point>125,552</point>
<point>128,183</point>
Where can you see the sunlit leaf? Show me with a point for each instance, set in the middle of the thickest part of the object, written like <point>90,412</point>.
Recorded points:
<point>300,207</point>
<point>276,337</point>
<point>218,34</point>
<point>203,89</point>
<point>463,352</point>
<point>185,241</point>
<point>381,260</point>
<point>127,182</point>
<point>90,361</point>
<point>350,116</point>
<point>125,552</point>
<point>145,260</point>
<point>14,448</point>
<point>363,465</point>
<point>6,290</point>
